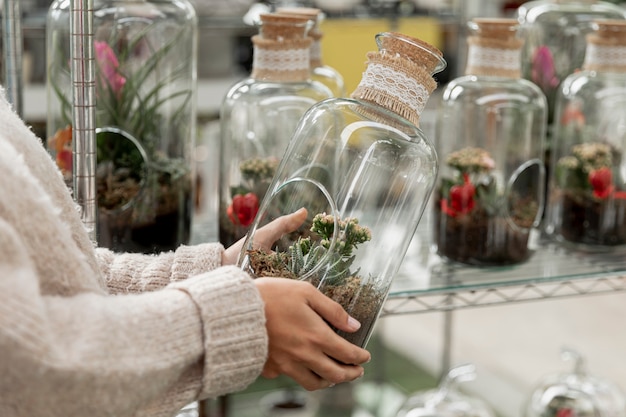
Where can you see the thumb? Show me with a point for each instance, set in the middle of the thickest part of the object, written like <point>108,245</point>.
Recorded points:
<point>284,224</point>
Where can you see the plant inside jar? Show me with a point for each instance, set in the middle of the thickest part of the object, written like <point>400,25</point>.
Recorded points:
<point>256,175</point>
<point>143,177</point>
<point>592,203</point>
<point>329,267</point>
<point>476,220</point>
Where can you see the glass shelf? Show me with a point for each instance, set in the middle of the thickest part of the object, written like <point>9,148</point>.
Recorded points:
<point>426,282</point>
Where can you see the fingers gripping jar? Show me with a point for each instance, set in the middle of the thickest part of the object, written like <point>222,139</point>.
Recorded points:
<point>490,133</point>
<point>258,117</point>
<point>364,171</point>
<point>587,206</point>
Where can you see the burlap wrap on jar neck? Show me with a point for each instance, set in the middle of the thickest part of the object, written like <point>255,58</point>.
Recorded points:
<point>606,47</point>
<point>281,52</point>
<point>496,51</point>
<point>397,84</point>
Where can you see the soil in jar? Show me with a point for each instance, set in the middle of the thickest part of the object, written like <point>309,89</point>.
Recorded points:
<point>593,222</point>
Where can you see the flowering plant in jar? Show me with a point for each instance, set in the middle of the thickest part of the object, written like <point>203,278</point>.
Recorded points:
<point>591,194</point>
<point>145,118</point>
<point>473,202</point>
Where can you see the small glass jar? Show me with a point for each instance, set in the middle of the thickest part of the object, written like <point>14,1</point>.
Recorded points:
<point>587,204</point>
<point>575,394</point>
<point>145,59</point>
<point>258,117</point>
<point>490,133</point>
<point>446,400</point>
<point>364,171</point>
<point>554,33</point>
<point>325,74</point>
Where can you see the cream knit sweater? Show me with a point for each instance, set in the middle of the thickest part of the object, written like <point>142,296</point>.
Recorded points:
<point>86,332</point>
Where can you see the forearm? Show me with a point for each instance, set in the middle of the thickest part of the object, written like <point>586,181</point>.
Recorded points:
<point>134,273</point>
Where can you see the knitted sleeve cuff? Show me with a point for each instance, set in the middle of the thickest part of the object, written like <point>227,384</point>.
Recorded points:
<point>135,272</point>
<point>235,337</point>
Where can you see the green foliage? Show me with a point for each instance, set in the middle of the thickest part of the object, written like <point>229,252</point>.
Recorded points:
<point>306,253</point>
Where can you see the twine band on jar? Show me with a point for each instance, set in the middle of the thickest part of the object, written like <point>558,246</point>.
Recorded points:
<point>281,61</point>
<point>396,84</point>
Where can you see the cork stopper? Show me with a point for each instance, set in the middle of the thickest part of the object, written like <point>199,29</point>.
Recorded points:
<point>283,27</point>
<point>312,14</point>
<point>412,49</point>
<point>494,48</point>
<point>606,46</point>
<point>399,76</point>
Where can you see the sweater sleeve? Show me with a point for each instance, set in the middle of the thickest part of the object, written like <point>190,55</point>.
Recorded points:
<point>135,273</point>
<point>127,355</point>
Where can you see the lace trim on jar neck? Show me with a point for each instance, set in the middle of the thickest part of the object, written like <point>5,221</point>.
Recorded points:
<point>316,51</point>
<point>396,84</point>
<point>494,58</point>
<point>605,58</point>
<point>606,47</point>
<point>287,61</point>
<point>483,60</point>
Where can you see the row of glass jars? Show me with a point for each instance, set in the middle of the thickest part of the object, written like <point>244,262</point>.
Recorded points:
<point>490,135</point>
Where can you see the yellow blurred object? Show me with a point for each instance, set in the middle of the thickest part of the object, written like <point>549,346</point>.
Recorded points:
<point>347,41</point>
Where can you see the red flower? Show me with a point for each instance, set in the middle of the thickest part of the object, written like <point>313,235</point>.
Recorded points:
<point>601,181</point>
<point>461,198</point>
<point>243,209</point>
<point>564,412</point>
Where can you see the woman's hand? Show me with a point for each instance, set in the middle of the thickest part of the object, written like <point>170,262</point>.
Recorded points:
<point>302,345</point>
<point>267,235</point>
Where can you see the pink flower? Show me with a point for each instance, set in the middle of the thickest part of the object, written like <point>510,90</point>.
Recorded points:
<point>543,71</point>
<point>108,66</point>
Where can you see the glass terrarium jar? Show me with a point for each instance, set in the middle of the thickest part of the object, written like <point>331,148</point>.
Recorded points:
<point>490,133</point>
<point>364,171</point>
<point>446,400</point>
<point>258,117</point>
<point>575,394</point>
<point>554,32</point>
<point>325,74</point>
<point>587,204</point>
<point>145,59</point>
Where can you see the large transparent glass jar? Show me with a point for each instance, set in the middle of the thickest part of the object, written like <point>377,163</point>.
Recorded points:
<point>446,400</point>
<point>490,133</point>
<point>575,394</point>
<point>554,32</point>
<point>587,204</point>
<point>364,171</point>
<point>258,117</point>
<point>145,59</point>
<point>321,72</point>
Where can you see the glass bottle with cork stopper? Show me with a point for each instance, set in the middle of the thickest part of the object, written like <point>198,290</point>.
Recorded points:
<point>259,115</point>
<point>325,74</point>
<point>587,204</point>
<point>490,133</point>
<point>364,171</point>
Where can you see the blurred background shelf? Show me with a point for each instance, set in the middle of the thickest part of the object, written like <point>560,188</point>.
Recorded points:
<point>426,282</point>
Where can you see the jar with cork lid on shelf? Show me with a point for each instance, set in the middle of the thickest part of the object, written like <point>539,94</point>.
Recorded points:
<point>490,133</point>
<point>259,115</point>
<point>587,189</point>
